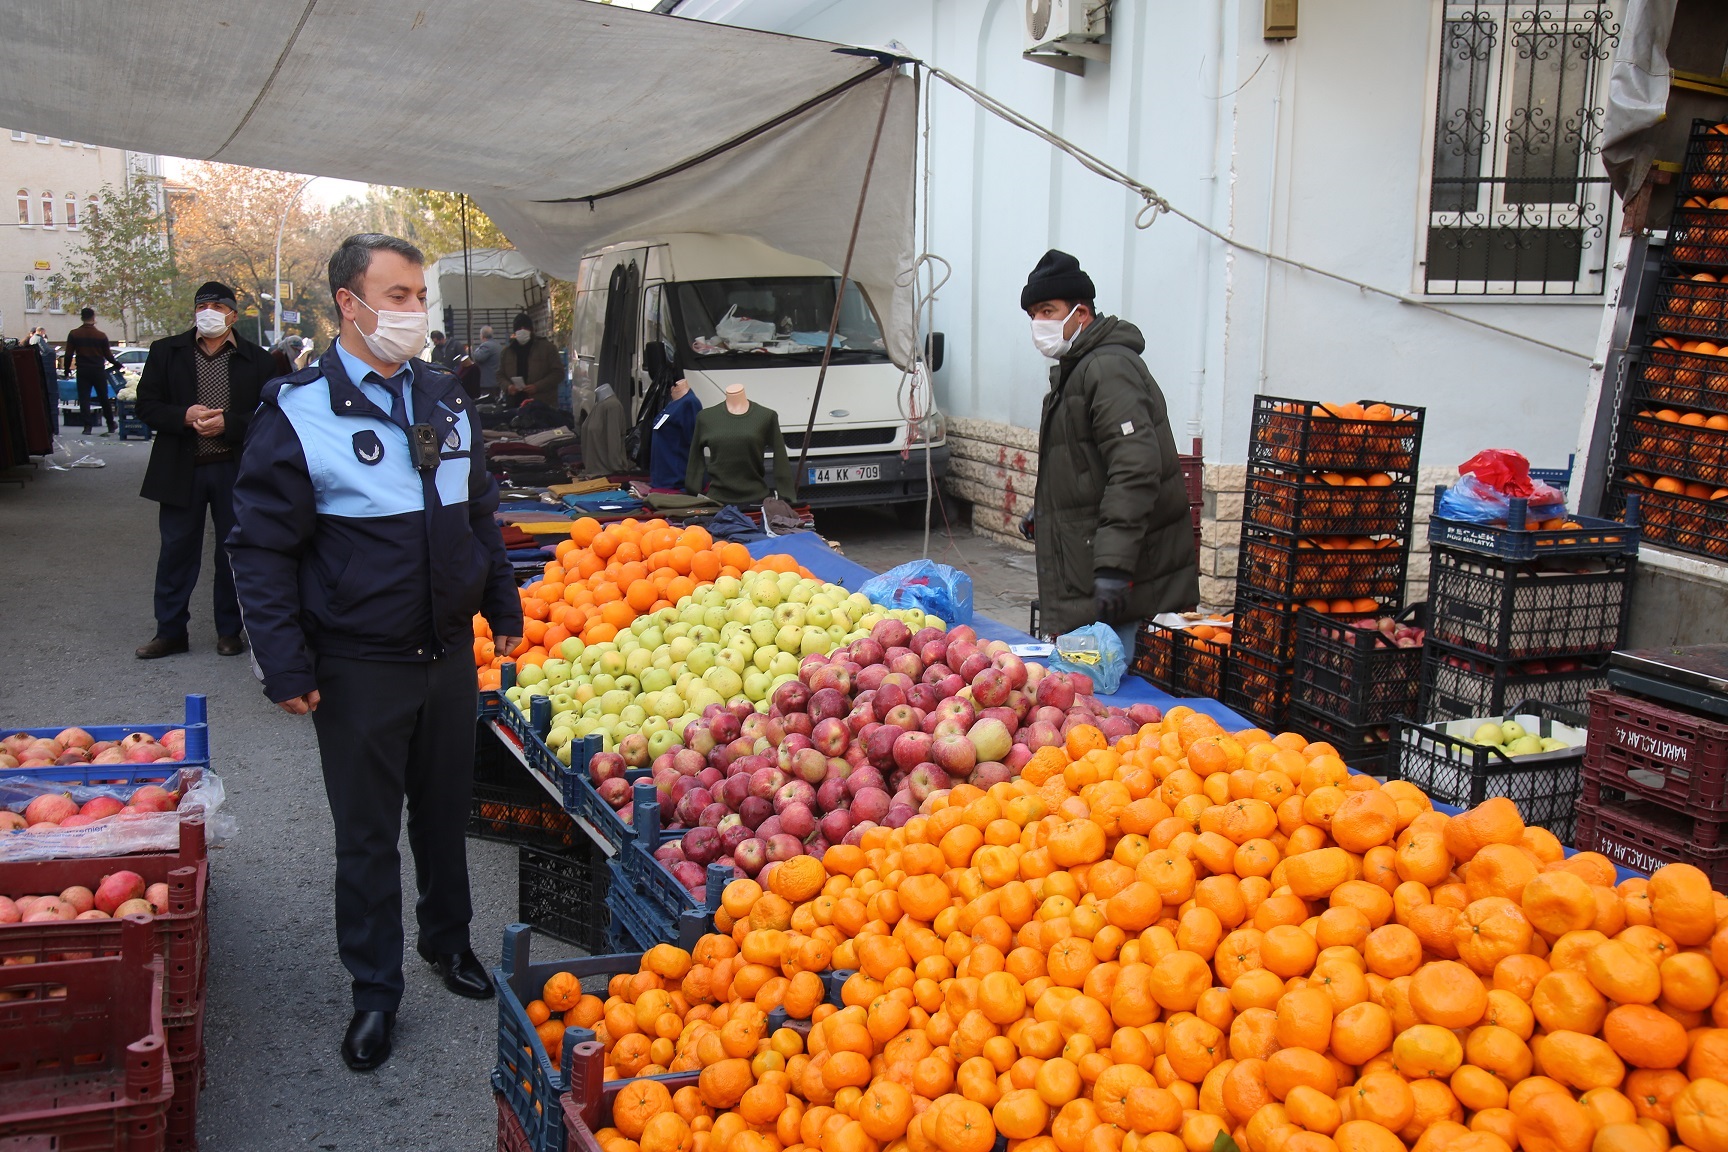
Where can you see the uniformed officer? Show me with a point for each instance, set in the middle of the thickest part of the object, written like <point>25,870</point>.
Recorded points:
<point>363,546</point>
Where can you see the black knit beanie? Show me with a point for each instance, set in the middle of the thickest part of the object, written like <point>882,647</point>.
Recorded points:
<point>215,292</point>
<point>522,321</point>
<point>1058,276</point>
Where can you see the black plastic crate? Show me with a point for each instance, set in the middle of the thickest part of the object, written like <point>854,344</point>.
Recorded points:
<point>1194,475</point>
<point>1643,837</point>
<point>1257,687</point>
<point>1690,307</point>
<point>1362,747</point>
<point>1452,770</point>
<point>1306,436</point>
<point>563,894</point>
<point>509,805</point>
<point>1677,520</point>
<point>1285,568</point>
<point>1265,626</point>
<point>1355,677</point>
<point>1647,443</point>
<point>1457,682</point>
<point>1307,505</point>
<point>1179,662</point>
<point>1663,376</point>
<point>1520,611</point>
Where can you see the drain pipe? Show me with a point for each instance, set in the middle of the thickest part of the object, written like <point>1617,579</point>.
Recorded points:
<point>1209,86</point>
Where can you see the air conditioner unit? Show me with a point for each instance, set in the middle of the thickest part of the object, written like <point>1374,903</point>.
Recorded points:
<point>1064,33</point>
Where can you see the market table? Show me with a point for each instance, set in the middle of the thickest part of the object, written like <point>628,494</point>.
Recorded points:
<point>813,552</point>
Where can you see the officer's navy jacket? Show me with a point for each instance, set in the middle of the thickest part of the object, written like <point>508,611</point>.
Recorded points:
<point>341,547</point>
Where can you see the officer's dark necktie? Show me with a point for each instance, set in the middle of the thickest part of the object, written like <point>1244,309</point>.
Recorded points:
<point>397,386</point>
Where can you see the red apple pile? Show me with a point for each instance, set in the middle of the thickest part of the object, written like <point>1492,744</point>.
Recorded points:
<point>862,738</point>
<point>57,811</point>
<point>76,746</point>
<point>117,894</point>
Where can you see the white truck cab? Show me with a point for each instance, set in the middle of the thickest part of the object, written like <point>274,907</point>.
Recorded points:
<point>724,309</point>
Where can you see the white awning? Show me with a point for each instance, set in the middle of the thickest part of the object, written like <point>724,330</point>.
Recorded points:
<point>573,124</point>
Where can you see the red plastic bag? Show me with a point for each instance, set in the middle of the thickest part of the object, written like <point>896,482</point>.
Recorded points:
<point>1501,469</point>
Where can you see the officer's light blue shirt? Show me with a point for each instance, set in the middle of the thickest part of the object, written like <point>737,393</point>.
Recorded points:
<point>376,392</point>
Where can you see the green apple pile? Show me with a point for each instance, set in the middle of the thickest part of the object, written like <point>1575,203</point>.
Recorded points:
<point>737,639</point>
<point>1514,739</point>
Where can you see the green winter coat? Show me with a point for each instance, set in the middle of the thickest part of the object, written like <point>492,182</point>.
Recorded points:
<point>1110,491</point>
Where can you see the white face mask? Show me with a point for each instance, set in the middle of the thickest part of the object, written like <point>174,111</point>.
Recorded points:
<point>1047,335</point>
<point>523,335</point>
<point>399,335</point>
<point>211,323</point>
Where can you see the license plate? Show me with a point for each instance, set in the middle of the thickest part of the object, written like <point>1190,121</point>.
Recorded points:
<point>850,474</point>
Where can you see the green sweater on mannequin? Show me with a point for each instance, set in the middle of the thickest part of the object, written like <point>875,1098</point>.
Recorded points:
<point>729,451</point>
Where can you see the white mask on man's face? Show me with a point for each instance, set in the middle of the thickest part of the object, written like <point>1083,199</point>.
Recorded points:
<point>211,322</point>
<point>523,335</point>
<point>399,335</point>
<point>1047,335</point>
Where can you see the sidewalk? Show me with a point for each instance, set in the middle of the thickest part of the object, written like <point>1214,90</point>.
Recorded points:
<point>77,559</point>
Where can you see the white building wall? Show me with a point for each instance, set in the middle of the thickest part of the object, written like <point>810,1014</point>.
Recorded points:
<point>1328,131</point>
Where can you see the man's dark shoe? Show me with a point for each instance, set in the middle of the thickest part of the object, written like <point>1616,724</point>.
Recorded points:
<point>366,1044</point>
<point>230,645</point>
<point>461,971</point>
<point>162,646</point>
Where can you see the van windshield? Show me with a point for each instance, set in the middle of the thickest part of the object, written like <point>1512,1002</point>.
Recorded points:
<point>765,322</point>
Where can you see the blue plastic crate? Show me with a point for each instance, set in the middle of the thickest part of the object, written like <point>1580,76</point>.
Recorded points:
<point>628,898</point>
<point>131,428</point>
<point>1594,537</point>
<point>524,1074</point>
<point>1560,478</point>
<point>653,877</point>
<point>196,725</point>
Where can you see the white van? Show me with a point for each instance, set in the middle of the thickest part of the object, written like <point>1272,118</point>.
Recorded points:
<point>719,309</point>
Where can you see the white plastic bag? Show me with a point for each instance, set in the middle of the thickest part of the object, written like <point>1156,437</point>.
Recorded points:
<point>736,329</point>
<point>63,459</point>
<point>203,795</point>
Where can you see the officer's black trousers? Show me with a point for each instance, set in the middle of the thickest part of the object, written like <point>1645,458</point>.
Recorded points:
<point>388,732</point>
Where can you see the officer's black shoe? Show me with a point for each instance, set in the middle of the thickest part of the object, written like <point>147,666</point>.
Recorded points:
<point>162,646</point>
<point>230,645</point>
<point>461,971</point>
<point>366,1044</point>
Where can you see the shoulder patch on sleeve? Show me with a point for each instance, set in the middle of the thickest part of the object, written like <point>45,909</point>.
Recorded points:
<point>1127,427</point>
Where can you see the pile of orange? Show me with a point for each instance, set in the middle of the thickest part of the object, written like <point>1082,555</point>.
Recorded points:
<point>603,578</point>
<point>1186,936</point>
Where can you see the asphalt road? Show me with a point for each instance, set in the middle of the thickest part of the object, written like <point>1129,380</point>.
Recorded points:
<point>77,560</point>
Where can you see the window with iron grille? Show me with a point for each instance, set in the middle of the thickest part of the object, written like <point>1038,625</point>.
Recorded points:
<point>1518,202</point>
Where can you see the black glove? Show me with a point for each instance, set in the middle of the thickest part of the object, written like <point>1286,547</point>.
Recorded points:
<point>1026,523</point>
<point>1110,590</point>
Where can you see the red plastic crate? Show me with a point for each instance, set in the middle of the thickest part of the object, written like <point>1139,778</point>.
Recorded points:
<point>1644,836</point>
<point>182,933</point>
<point>182,1134</point>
<point>1678,759</point>
<point>511,1138</point>
<point>85,1064</point>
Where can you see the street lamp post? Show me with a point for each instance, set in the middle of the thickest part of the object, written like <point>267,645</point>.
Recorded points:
<point>281,222</point>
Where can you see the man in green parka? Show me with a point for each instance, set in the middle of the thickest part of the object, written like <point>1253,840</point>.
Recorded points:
<point>1114,540</point>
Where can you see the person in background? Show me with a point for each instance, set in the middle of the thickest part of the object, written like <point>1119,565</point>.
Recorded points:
<point>603,436</point>
<point>197,393</point>
<point>1110,513</point>
<point>89,352</point>
<point>485,356</point>
<point>363,546</point>
<point>446,351</point>
<point>530,365</point>
<point>669,440</point>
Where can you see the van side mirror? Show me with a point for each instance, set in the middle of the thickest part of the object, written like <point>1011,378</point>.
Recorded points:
<point>935,346</point>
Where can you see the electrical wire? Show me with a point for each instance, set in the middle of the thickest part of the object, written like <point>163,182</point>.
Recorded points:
<point>1156,205</point>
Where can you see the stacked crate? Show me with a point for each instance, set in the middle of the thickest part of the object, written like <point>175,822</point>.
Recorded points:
<point>1351,683</point>
<point>1670,446</point>
<point>1655,786</point>
<point>1518,612</point>
<point>1327,512</point>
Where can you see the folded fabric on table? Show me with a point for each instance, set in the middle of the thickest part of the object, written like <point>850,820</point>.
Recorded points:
<point>730,523</point>
<point>514,537</point>
<point>579,487</point>
<point>541,439</point>
<point>678,502</point>
<point>520,461</point>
